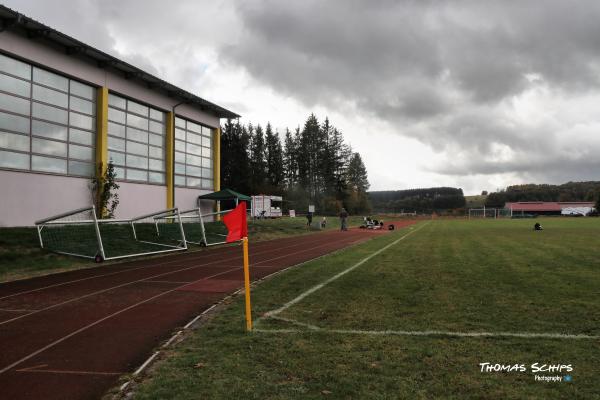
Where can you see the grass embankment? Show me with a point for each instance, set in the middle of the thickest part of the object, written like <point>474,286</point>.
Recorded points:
<point>21,256</point>
<point>468,276</point>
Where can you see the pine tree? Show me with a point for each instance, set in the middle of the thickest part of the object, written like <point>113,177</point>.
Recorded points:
<point>275,175</point>
<point>357,174</point>
<point>258,164</point>
<point>290,163</point>
<point>358,184</point>
<point>227,155</point>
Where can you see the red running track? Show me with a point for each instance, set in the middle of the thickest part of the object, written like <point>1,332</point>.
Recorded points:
<point>71,335</point>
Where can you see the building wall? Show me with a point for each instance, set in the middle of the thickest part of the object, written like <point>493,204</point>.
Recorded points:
<point>56,59</point>
<point>28,197</point>
<point>186,199</point>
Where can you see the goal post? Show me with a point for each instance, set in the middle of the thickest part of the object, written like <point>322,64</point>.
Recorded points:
<point>484,212</point>
<point>79,233</point>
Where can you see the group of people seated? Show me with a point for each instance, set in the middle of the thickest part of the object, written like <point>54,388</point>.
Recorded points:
<point>370,223</point>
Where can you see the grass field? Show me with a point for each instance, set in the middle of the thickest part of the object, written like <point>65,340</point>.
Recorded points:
<point>397,326</point>
<point>21,256</point>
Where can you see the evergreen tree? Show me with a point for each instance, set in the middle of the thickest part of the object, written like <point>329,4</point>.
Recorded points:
<point>309,149</point>
<point>314,166</point>
<point>290,163</point>
<point>274,160</point>
<point>358,184</point>
<point>258,164</point>
<point>357,174</point>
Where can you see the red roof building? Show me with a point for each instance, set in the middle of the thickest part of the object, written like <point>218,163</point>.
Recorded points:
<point>550,207</point>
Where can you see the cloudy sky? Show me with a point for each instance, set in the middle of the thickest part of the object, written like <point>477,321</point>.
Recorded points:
<point>471,94</point>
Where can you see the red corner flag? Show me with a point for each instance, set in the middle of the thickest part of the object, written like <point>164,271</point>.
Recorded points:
<point>235,221</point>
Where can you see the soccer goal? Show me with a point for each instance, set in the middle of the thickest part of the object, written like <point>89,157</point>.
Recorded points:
<point>205,229</point>
<point>80,233</point>
<point>483,213</point>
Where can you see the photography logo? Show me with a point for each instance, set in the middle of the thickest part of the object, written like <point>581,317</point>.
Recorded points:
<point>541,372</point>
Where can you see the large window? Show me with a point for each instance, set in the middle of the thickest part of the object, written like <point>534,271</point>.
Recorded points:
<point>136,140</point>
<point>193,155</point>
<point>47,121</point>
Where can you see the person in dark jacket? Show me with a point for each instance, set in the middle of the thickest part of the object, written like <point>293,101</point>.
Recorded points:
<point>344,219</point>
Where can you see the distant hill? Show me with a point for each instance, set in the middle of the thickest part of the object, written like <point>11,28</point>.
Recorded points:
<point>570,191</point>
<point>419,200</point>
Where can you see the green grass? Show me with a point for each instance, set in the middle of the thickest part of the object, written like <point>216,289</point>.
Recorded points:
<point>21,256</point>
<point>470,276</point>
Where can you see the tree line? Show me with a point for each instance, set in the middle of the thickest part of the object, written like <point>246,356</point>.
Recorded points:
<point>418,200</point>
<point>570,191</point>
<point>311,165</point>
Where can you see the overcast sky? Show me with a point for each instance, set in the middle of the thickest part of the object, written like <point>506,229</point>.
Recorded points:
<point>471,94</point>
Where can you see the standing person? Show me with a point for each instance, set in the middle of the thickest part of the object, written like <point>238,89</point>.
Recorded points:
<point>344,219</point>
<point>308,219</point>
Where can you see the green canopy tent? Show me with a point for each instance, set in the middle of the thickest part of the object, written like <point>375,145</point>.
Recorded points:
<point>225,194</point>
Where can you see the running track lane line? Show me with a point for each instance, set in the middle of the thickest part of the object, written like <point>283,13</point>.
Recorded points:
<point>186,259</point>
<point>151,277</point>
<point>58,341</point>
<point>336,276</point>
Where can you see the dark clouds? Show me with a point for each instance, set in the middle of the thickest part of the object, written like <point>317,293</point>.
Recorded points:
<point>445,73</point>
<point>495,88</point>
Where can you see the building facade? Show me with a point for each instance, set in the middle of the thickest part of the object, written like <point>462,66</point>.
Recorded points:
<point>577,208</point>
<point>67,109</point>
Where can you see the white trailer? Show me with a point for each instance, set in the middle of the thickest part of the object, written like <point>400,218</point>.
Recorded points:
<point>264,206</point>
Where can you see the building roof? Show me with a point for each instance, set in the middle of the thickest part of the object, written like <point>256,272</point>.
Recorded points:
<point>10,19</point>
<point>546,205</point>
<point>225,194</point>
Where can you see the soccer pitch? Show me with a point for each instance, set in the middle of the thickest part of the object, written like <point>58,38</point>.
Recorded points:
<point>415,320</point>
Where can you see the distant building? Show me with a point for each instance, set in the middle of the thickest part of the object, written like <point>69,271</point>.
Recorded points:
<point>550,207</point>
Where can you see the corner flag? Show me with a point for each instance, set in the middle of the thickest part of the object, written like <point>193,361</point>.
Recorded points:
<point>235,221</point>
<point>237,229</point>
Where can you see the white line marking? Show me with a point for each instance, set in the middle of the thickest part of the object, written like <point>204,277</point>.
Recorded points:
<point>68,372</point>
<point>224,299</point>
<point>193,257</point>
<point>293,321</point>
<point>155,276</point>
<point>337,276</point>
<point>58,341</point>
<point>7,310</point>
<point>526,335</point>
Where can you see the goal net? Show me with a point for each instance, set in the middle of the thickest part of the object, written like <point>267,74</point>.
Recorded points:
<point>80,233</point>
<point>483,213</point>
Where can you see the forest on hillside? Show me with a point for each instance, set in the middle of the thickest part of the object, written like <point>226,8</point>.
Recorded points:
<point>312,165</point>
<point>570,191</point>
<point>417,200</point>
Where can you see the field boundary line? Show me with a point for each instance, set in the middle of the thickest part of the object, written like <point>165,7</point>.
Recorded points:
<point>525,335</point>
<point>225,299</point>
<point>310,291</point>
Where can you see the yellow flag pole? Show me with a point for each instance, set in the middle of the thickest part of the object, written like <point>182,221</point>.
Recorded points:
<point>247,285</point>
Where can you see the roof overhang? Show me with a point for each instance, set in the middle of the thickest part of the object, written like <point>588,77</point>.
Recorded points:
<point>17,22</point>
